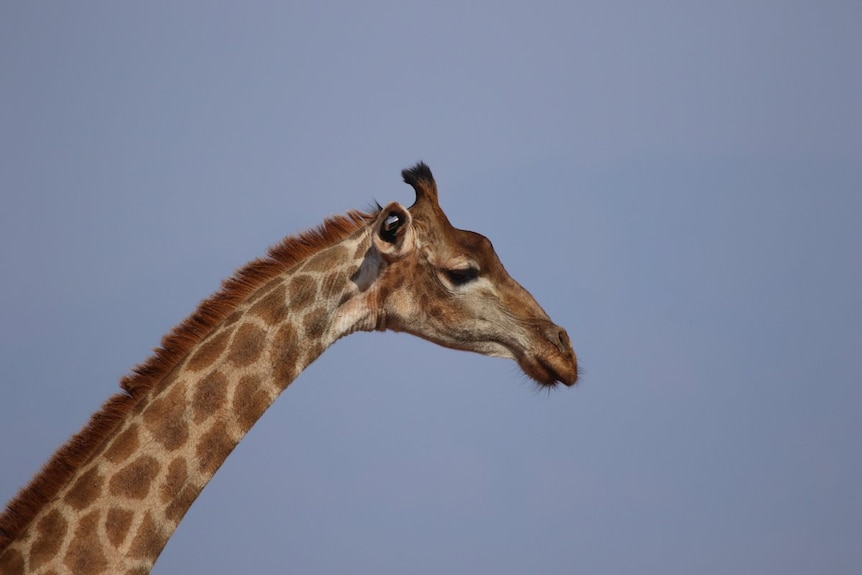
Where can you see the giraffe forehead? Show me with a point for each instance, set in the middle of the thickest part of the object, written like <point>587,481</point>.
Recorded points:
<point>448,245</point>
<point>478,248</point>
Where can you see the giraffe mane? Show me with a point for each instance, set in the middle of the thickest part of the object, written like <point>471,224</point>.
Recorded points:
<point>175,345</point>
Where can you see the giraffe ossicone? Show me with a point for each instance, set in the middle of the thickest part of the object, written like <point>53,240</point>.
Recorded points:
<point>111,497</point>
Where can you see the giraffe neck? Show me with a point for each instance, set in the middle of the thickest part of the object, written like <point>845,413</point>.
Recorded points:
<point>117,509</point>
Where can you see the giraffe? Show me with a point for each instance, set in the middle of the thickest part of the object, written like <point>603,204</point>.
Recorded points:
<point>109,499</point>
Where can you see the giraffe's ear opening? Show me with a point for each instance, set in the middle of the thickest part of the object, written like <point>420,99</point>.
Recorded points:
<point>393,232</point>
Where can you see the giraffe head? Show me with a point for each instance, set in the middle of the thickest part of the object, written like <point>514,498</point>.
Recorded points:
<point>448,286</point>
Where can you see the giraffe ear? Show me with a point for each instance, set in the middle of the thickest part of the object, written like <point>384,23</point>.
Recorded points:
<point>393,232</point>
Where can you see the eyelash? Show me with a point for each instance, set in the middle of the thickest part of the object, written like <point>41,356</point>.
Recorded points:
<point>461,277</point>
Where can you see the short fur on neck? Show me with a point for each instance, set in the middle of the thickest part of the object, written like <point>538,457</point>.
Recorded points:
<point>59,469</point>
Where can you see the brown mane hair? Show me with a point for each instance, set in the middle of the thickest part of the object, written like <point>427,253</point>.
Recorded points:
<point>59,469</point>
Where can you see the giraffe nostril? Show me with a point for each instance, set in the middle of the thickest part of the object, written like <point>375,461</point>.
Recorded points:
<point>563,340</point>
<point>557,336</point>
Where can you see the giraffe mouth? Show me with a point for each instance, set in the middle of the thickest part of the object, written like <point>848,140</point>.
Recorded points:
<point>554,362</point>
<point>552,371</point>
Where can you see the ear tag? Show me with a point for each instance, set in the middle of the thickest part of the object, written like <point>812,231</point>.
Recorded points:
<point>389,229</point>
<point>391,222</point>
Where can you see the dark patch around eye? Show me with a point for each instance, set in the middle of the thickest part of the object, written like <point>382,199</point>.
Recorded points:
<point>461,276</point>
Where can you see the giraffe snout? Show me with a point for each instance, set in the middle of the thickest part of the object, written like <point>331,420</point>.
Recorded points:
<point>565,365</point>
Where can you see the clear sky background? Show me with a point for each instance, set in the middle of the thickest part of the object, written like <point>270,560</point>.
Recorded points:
<point>679,184</point>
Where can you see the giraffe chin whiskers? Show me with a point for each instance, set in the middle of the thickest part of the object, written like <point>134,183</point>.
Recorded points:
<point>550,376</point>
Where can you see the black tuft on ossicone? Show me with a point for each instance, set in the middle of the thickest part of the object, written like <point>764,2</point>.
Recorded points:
<point>418,173</point>
<point>419,176</point>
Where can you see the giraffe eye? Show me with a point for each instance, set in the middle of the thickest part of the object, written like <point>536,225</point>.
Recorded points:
<point>461,276</point>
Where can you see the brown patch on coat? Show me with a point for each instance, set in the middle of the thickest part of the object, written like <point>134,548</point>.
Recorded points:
<point>302,291</point>
<point>85,490</point>
<point>176,492</point>
<point>232,318</point>
<point>148,541</point>
<point>181,503</point>
<point>11,562</point>
<point>84,554</point>
<point>123,445</point>
<point>315,323</point>
<point>50,533</point>
<point>166,419</point>
<point>362,248</point>
<point>209,397</point>
<point>134,480</point>
<point>334,283</point>
<point>209,352</point>
<point>326,260</point>
<point>250,400</point>
<point>273,307</point>
<point>248,343</point>
<point>285,356</point>
<point>117,524</point>
<point>175,480</point>
<point>213,449</point>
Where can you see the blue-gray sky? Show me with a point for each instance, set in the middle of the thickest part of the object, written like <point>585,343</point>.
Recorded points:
<point>679,184</point>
